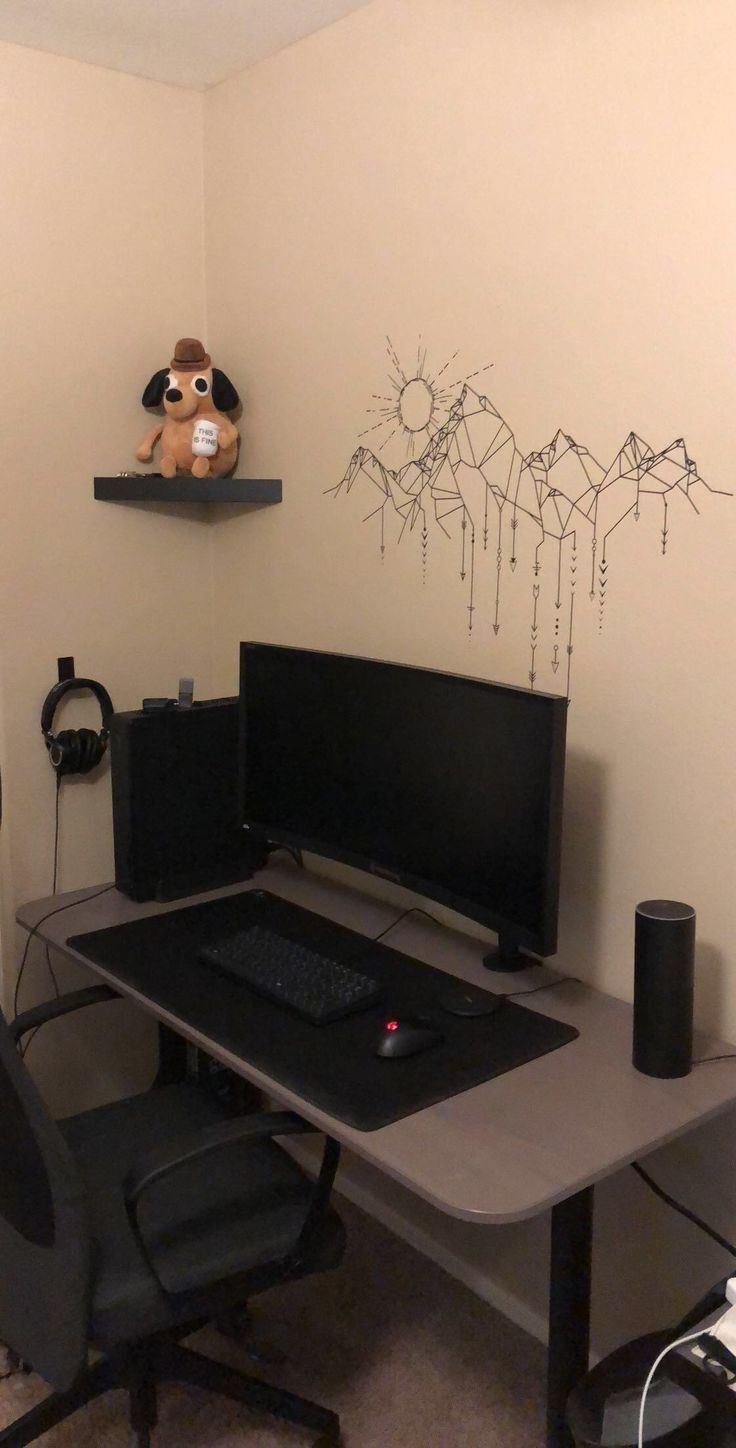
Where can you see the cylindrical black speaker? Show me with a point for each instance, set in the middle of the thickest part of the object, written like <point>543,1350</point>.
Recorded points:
<point>664,961</point>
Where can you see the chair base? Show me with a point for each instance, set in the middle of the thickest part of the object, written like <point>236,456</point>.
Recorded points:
<point>236,1324</point>
<point>140,1369</point>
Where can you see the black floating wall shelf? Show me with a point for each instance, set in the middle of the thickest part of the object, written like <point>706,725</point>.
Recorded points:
<point>153,488</point>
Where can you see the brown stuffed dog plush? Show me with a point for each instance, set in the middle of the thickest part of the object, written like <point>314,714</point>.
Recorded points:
<point>196,437</point>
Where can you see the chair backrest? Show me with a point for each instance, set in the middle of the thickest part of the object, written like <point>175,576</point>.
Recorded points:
<point>44,1237</point>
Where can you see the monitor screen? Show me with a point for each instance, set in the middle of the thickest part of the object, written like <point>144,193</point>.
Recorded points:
<point>452,786</point>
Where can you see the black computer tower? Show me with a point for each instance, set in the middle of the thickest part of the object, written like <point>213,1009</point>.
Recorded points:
<point>175,801</point>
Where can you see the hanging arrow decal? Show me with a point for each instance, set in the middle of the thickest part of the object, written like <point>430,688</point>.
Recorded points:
<point>534,634</point>
<point>499,561</point>
<point>603,571</point>
<point>471,608</point>
<point>514,526</point>
<point>569,642</point>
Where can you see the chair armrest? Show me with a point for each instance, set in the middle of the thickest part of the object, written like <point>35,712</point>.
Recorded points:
<point>156,1165</point>
<point>91,995</point>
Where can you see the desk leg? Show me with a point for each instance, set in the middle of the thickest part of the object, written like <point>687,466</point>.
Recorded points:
<point>172,1057</point>
<point>569,1308</point>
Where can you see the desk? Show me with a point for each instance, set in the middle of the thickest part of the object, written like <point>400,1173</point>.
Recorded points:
<point>537,1138</point>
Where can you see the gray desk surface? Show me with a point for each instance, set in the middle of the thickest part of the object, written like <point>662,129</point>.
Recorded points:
<point>505,1150</point>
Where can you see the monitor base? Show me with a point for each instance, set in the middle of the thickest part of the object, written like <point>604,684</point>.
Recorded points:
<point>506,956</point>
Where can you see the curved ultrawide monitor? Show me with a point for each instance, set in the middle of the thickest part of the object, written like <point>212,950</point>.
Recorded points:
<point>449,785</point>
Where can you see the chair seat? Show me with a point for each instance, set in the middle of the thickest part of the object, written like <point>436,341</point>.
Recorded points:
<point>231,1213</point>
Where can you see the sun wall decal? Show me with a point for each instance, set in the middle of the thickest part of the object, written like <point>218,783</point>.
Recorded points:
<point>419,400</point>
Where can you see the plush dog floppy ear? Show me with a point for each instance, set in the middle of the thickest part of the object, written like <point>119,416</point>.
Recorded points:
<point>154,393</point>
<point>224,395</point>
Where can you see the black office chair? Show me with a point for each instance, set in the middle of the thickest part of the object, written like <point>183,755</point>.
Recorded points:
<point>124,1229</point>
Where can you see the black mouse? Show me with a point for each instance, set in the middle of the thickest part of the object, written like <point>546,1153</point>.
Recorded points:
<point>406,1037</point>
<point>467,1001</point>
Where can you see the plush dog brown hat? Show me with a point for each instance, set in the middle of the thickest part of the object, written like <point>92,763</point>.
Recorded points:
<point>196,437</point>
<point>189,355</point>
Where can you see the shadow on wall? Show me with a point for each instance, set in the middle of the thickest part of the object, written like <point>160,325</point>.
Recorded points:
<point>581,892</point>
<point>710,987</point>
<point>673,1263</point>
<point>662,1264</point>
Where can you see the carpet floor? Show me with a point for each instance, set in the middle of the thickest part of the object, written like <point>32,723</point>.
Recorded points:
<point>407,1356</point>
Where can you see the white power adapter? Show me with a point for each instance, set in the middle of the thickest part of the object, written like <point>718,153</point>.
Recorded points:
<point>725,1329</point>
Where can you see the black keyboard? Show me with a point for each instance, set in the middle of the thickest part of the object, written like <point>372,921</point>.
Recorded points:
<point>315,986</point>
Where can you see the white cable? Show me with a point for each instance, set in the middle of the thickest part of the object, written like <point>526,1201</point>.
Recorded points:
<point>691,1337</point>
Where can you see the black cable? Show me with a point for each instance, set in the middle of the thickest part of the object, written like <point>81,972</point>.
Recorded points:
<point>703,1060</point>
<point>413,910</point>
<point>22,966</point>
<point>33,930</point>
<point>28,1042</point>
<point>19,976</point>
<point>562,980</point>
<point>56,836</point>
<point>507,995</point>
<point>51,970</point>
<point>684,1211</point>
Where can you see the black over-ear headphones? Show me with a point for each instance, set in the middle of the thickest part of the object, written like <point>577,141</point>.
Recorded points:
<point>75,751</point>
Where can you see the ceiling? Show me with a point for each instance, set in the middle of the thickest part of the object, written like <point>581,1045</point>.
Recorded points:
<point>193,43</point>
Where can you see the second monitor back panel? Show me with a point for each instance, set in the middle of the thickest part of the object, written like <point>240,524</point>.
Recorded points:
<point>333,1067</point>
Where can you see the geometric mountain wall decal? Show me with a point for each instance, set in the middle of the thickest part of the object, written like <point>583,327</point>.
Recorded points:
<point>557,509</point>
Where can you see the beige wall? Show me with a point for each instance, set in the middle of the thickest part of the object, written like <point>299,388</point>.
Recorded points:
<point>102,268</point>
<point>548,188</point>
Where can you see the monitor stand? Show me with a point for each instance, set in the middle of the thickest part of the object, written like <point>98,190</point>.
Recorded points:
<point>506,956</point>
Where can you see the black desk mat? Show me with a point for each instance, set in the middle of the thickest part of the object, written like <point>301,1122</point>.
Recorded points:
<point>334,1066</point>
